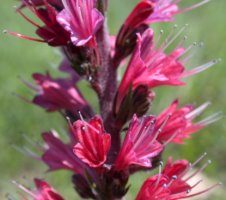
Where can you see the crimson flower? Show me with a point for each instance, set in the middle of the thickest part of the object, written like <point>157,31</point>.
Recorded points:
<point>43,191</point>
<point>140,144</point>
<point>58,155</point>
<point>82,20</point>
<point>93,142</point>
<point>51,33</point>
<point>179,125</point>
<point>150,66</point>
<point>172,183</point>
<point>59,94</point>
<point>134,23</point>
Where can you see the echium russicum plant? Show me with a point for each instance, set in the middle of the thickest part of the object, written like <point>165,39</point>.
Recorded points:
<point>105,149</point>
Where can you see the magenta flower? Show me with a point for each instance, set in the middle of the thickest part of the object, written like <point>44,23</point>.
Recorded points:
<point>150,66</point>
<point>179,125</point>
<point>51,33</point>
<point>140,144</point>
<point>59,94</point>
<point>82,20</point>
<point>58,155</point>
<point>171,183</point>
<point>93,142</point>
<point>165,10</point>
<point>43,191</point>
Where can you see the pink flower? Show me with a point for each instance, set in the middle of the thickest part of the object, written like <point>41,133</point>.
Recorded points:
<point>93,142</point>
<point>152,67</point>
<point>58,155</point>
<point>140,144</point>
<point>82,20</point>
<point>172,183</point>
<point>165,10</point>
<point>145,13</point>
<point>179,125</point>
<point>51,33</point>
<point>43,191</point>
<point>59,94</point>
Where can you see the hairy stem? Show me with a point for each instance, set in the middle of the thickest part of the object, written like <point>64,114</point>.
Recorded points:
<point>108,86</point>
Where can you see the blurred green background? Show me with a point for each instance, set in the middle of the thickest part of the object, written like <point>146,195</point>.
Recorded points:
<point>22,58</point>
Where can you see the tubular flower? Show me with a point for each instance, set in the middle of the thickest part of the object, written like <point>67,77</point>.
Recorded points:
<point>58,155</point>
<point>179,125</point>
<point>165,10</point>
<point>145,13</point>
<point>51,33</point>
<point>172,183</point>
<point>59,94</point>
<point>82,20</point>
<point>140,144</point>
<point>150,66</point>
<point>43,191</point>
<point>93,142</point>
<point>134,23</point>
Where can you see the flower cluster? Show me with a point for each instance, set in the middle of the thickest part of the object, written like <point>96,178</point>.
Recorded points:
<point>105,149</point>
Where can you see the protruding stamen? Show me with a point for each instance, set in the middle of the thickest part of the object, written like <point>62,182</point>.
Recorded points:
<point>159,37</point>
<point>159,175</point>
<point>203,191</point>
<point>161,127</point>
<point>24,189</point>
<point>33,143</point>
<point>199,170</point>
<point>173,178</point>
<point>197,111</point>
<point>80,115</point>
<point>26,18</point>
<point>198,182</point>
<point>200,68</point>
<point>211,119</point>
<point>171,138</point>
<point>181,44</point>
<point>168,43</point>
<point>193,6</point>
<point>28,84</point>
<point>198,160</point>
<point>21,98</point>
<point>23,36</point>
<point>27,152</point>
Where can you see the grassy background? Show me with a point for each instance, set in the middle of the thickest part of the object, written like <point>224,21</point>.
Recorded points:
<point>22,58</point>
